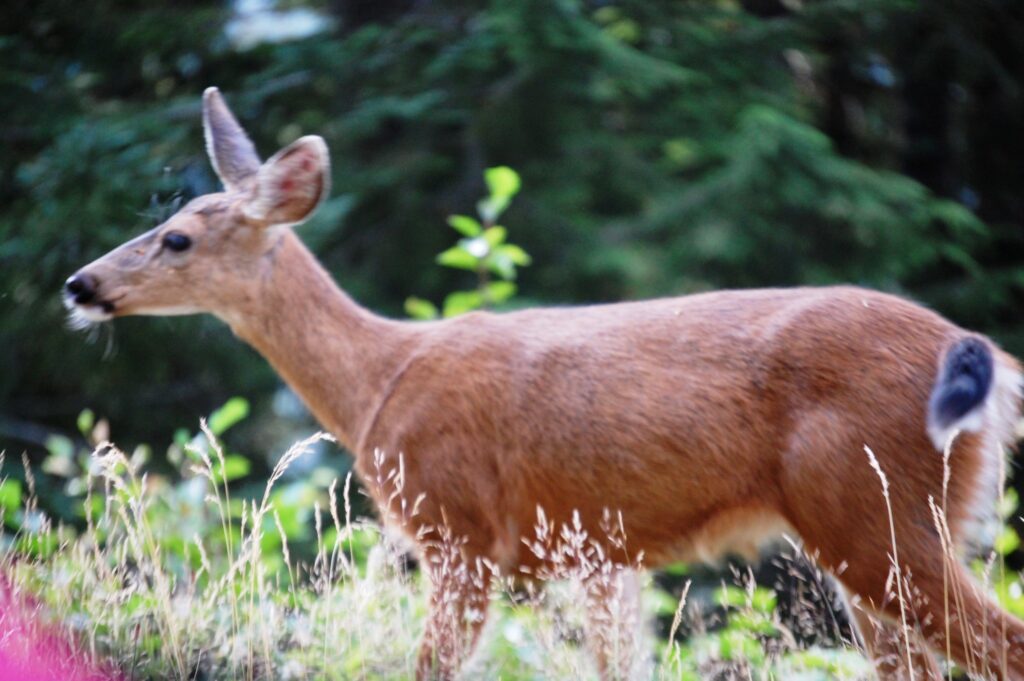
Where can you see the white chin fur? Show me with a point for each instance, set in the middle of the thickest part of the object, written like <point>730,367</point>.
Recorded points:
<point>82,317</point>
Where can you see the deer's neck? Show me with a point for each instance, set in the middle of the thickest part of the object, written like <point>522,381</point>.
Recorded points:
<point>339,357</point>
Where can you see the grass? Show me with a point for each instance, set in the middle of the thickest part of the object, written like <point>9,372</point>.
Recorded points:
<point>185,580</point>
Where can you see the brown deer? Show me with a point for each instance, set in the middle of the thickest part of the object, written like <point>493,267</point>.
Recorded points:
<point>702,423</point>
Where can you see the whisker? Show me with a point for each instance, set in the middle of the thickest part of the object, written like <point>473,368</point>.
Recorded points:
<point>111,349</point>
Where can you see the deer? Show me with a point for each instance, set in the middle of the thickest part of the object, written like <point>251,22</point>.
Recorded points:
<point>703,424</point>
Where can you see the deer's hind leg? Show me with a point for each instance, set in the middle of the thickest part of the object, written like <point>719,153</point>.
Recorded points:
<point>887,647</point>
<point>869,520</point>
<point>954,618</point>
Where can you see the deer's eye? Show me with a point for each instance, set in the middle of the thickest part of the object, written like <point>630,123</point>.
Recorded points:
<point>176,241</point>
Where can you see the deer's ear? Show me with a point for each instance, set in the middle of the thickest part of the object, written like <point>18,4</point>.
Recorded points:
<point>291,184</point>
<point>231,152</point>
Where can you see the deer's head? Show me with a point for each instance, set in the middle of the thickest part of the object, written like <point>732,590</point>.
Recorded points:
<point>212,253</point>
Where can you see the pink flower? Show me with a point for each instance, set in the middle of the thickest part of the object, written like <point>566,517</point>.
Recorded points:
<point>31,650</point>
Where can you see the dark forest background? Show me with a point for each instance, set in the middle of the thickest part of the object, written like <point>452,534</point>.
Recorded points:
<point>665,148</point>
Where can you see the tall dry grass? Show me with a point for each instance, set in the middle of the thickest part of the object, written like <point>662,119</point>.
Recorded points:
<point>235,610</point>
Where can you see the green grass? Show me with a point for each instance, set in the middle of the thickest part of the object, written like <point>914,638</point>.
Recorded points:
<point>182,579</point>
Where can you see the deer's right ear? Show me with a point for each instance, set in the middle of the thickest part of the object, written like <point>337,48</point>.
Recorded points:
<point>231,152</point>
<point>292,183</point>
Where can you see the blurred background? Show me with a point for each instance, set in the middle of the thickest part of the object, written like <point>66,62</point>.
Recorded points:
<point>664,148</point>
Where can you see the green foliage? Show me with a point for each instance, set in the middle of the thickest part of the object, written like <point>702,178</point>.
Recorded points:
<point>668,148</point>
<point>1008,585</point>
<point>777,178</point>
<point>179,511</point>
<point>10,495</point>
<point>483,250</point>
<point>751,641</point>
<point>234,410</point>
<point>758,600</point>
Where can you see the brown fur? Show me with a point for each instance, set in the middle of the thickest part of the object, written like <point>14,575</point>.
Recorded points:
<point>699,419</point>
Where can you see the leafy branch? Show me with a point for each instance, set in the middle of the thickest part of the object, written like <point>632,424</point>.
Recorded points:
<point>483,249</point>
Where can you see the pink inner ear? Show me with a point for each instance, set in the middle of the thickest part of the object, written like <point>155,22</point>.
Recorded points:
<point>307,164</point>
<point>287,185</point>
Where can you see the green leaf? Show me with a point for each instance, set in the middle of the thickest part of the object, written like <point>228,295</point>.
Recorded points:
<point>86,420</point>
<point>465,225</point>
<point>182,437</point>
<point>476,247</point>
<point>59,445</point>
<point>63,466</point>
<point>10,494</point>
<point>1008,504</point>
<point>37,544</point>
<point>764,600</point>
<point>462,301</point>
<point>677,569</point>
<point>731,596</point>
<point>660,602</point>
<point>502,266</point>
<point>495,236</point>
<point>503,182</point>
<point>92,507</point>
<point>500,291</point>
<point>514,253</point>
<point>235,466</point>
<point>458,257</point>
<point>491,208</point>
<point>1007,541</point>
<point>681,152</point>
<point>1007,588</point>
<point>233,411</point>
<point>753,623</point>
<point>358,543</point>
<point>418,308</point>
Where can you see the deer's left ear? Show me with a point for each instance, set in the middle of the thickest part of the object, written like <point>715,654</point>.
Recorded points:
<point>231,152</point>
<point>292,183</point>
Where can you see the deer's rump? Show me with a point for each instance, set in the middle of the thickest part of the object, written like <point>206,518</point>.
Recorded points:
<point>705,421</point>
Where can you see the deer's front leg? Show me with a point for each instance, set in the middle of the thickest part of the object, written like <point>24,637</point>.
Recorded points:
<point>613,625</point>
<point>460,586</point>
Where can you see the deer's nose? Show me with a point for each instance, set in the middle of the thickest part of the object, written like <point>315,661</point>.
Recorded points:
<point>81,288</point>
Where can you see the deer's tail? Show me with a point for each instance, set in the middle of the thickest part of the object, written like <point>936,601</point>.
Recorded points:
<point>961,389</point>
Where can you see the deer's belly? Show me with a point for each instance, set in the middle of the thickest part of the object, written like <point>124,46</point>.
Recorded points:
<point>742,531</point>
<point>551,542</point>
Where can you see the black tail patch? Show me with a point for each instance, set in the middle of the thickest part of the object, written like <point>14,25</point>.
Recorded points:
<point>964,382</point>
